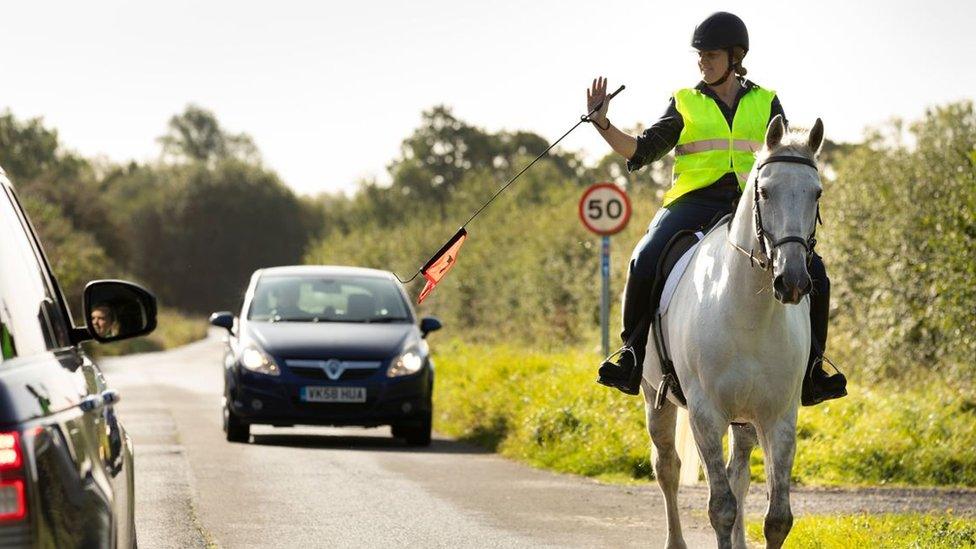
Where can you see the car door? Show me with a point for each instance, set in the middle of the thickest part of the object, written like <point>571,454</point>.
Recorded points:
<point>55,395</point>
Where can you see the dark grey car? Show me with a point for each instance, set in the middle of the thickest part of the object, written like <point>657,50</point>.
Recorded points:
<point>66,462</point>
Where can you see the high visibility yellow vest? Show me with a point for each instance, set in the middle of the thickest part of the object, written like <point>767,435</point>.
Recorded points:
<point>707,149</point>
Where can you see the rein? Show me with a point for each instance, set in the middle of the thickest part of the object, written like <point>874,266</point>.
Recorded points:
<point>765,259</point>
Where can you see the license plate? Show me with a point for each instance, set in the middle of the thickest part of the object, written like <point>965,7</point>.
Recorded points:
<point>333,394</point>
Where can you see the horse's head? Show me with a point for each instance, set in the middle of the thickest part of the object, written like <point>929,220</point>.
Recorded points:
<point>786,190</point>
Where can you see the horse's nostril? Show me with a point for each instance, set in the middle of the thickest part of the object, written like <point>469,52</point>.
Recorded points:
<point>779,284</point>
<point>804,285</point>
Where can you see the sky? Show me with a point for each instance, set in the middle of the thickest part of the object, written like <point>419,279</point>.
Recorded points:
<point>328,90</point>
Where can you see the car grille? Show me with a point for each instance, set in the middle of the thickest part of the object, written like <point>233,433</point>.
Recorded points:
<point>346,370</point>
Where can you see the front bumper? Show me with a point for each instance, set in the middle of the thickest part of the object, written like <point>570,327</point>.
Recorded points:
<point>276,400</point>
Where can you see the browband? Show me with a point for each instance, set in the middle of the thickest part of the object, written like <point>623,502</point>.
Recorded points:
<point>787,158</point>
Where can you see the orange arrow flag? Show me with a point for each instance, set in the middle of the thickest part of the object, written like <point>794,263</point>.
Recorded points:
<point>442,262</point>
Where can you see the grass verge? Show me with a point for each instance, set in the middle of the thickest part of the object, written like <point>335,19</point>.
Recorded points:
<point>929,531</point>
<point>545,409</point>
<point>542,408</point>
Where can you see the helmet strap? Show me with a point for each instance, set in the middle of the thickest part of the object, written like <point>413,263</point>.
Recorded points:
<point>728,71</point>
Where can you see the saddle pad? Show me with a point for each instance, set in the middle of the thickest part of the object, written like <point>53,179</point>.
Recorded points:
<point>671,284</point>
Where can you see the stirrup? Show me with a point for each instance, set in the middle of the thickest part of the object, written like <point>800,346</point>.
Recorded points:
<point>823,358</point>
<point>620,352</point>
<point>626,383</point>
<point>662,392</point>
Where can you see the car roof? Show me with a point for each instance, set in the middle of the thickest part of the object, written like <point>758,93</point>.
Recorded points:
<point>324,270</point>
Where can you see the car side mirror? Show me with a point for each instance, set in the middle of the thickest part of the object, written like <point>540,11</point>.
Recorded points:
<point>429,324</point>
<point>116,310</point>
<point>223,319</point>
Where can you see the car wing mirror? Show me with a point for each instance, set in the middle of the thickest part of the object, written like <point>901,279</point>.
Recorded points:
<point>223,319</point>
<point>429,324</point>
<point>117,310</point>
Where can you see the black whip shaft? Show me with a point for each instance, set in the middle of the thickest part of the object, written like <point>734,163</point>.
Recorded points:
<point>584,118</point>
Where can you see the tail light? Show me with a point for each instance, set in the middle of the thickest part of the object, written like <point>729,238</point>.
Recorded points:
<point>11,455</point>
<point>13,502</point>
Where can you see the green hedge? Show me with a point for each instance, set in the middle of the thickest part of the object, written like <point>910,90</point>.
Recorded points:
<point>899,241</point>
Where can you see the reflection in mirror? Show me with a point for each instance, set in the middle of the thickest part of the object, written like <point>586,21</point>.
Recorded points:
<point>103,321</point>
<point>118,310</point>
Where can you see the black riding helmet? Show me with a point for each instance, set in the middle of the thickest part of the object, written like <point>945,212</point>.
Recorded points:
<point>721,31</point>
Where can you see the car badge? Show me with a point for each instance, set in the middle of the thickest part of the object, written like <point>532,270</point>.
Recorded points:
<point>334,369</point>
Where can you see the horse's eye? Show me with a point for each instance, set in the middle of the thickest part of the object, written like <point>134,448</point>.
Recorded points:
<point>762,193</point>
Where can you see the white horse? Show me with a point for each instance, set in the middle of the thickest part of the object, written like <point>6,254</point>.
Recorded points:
<point>739,349</point>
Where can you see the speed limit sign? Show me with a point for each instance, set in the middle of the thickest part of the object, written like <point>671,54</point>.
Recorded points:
<point>604,209</point>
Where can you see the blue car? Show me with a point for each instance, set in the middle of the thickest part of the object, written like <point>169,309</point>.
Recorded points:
<point>321,345</point>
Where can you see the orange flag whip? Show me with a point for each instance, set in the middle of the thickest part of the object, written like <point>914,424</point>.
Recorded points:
<point>441,263</point>
<point>444,260</point>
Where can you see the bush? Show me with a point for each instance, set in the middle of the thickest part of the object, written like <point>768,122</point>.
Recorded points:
<point>528,272</point>
<point>899,241</point>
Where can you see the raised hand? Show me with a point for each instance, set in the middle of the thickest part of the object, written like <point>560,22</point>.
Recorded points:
<point>597,96</point>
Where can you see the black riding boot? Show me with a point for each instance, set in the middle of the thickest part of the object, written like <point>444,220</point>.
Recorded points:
<point>818,386</point>
<point>625,374</point>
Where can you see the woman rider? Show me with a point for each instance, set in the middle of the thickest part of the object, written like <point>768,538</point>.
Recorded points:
<point>701,119</point>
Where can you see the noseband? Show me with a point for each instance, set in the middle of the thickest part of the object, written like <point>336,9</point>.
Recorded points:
<point>762,233</point>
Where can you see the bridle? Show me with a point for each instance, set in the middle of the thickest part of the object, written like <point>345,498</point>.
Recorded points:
<point>765,260</point>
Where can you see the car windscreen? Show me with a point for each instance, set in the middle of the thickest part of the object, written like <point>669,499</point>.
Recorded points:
<point>327,299</point>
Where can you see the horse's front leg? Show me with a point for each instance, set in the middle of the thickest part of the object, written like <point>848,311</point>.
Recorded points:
<point>667,465</point>
<point>779,446</point>
<point>708,426</point>
<point>743,441</point>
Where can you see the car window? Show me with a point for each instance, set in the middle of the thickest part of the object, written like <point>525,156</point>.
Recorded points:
<point>25,304</point>
<point>325,299</point>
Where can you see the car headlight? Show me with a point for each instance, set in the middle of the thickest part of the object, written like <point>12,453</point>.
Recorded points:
<point>410,361</point>
<point>256,360</point>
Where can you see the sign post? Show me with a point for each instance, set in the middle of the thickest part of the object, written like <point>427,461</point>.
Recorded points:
<point>605,210</point>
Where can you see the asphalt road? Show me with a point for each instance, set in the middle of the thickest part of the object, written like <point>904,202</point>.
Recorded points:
<point>321,487</point>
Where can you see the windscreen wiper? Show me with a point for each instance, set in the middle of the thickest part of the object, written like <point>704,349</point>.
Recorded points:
<point>386,319</point>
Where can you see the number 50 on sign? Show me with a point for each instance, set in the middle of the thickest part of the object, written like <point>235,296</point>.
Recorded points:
<point>604,209</point>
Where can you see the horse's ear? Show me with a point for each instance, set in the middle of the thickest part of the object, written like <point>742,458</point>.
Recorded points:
<point>775,132</point>
<point>815,140</point>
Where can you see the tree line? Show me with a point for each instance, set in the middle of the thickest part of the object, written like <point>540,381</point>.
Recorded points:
<point>899,235</point>
<point>191,225</point>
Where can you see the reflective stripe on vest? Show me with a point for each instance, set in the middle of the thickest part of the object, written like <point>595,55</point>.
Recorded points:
<point>718,145</point>
<point>707,148</point>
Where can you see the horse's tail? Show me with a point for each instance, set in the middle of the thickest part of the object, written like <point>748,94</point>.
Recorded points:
<point>684,443</point>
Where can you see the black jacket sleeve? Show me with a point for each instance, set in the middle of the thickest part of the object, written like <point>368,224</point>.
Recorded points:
<point>777,108</point>
<point>657,140</point>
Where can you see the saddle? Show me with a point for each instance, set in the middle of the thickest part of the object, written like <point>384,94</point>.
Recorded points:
<point>670,268</point>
